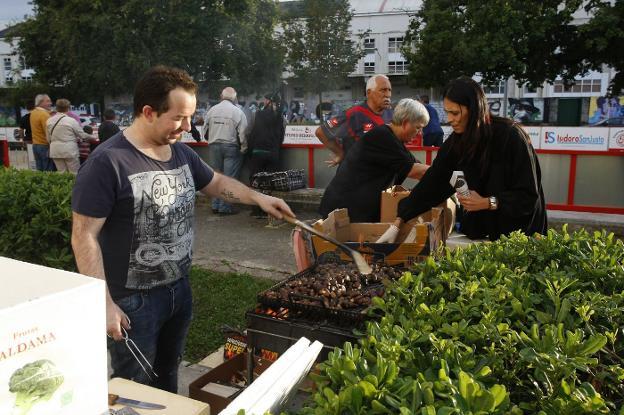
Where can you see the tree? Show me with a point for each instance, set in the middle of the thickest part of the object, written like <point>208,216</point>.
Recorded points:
<point>532,41</point>
<point>602,40</point>
<point>253,59</point>
<point>101,47</point>
<point>319,49</point>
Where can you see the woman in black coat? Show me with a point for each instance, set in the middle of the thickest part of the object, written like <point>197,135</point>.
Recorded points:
<point>499,164</point>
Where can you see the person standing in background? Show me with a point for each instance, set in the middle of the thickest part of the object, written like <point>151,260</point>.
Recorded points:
<point>38,119</point>
<point>64,134</point>
<point>225,125</point>
<point>108,128</point>
<point>266,137</point>
<point>432,133</point>
<point>339,133</point>
<point>24,126</point>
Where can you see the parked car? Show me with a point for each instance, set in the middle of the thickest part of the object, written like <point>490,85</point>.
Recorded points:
<point>86,119</point>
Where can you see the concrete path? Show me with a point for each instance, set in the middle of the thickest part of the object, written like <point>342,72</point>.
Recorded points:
<point>244,244</point>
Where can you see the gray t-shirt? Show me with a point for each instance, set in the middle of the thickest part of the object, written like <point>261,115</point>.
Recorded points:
<point>149,204</point>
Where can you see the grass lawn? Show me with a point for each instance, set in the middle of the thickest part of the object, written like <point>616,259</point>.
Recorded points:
<point>218,298</point>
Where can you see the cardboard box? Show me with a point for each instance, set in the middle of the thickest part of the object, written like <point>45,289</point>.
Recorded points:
<point>55,320</point>
<point>362,236</point>
<point>235,367</point>
<point>391,197</point>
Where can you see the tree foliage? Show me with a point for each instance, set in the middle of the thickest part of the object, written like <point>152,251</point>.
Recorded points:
<point>319,47</point>
<point>603,37</point>
<point>101,47</point>
<point>532,41</point>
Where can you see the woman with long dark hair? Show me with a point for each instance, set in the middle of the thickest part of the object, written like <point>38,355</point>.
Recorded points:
<point>499,165</point>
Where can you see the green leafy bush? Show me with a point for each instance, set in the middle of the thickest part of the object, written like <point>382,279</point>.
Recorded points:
<point>520,326</point>
<point>35,217</point>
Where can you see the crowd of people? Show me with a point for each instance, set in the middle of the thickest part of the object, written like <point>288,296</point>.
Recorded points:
<point>59,141</point>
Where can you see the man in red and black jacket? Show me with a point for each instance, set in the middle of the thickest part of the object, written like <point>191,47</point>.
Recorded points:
<point>339,133</point>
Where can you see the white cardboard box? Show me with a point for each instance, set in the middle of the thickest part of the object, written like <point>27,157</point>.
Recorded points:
<point>60,316</point>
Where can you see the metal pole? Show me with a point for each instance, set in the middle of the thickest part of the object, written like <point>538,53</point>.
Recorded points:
<point>505,96</point>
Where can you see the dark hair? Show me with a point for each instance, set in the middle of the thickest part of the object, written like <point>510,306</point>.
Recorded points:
<point>30,105</point>
<point>154,86</point>
<point>475,139</point>
<point>109,114</point>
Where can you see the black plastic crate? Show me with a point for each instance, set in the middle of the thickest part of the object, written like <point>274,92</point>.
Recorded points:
<point>288,180</point>
<point>262,180</point>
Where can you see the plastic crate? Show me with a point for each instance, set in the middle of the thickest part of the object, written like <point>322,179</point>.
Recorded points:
<point>288,180</point>
<point>262,180</point>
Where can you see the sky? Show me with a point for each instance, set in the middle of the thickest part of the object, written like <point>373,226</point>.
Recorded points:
<point>12,11</point>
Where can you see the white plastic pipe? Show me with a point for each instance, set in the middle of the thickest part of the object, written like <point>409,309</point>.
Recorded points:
<point>279,393</point>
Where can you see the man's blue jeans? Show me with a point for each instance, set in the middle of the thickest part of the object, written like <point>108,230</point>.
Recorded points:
<point>159,321</point>
<point>42,158</point>
<point>227,159</point>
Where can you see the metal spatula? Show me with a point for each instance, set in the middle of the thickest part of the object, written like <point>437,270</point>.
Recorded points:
<point>358,259</point>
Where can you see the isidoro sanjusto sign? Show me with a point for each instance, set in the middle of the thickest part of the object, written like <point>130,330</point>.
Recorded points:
<point>575,138</point>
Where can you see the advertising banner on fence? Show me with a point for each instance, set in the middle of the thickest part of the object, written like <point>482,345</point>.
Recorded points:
<point>301,134</point>
<point>616,138</point>
<point>535,134</point>
<point>575,138</point>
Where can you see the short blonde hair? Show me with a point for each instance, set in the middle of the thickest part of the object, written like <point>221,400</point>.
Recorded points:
<point>62,105</point>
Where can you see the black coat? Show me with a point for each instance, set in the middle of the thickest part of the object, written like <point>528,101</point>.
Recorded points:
<point>375,162</point>
<point>268,131</point>
<point>511,173</point>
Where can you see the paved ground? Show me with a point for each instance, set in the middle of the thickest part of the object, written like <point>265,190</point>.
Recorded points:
<point>242,243</point>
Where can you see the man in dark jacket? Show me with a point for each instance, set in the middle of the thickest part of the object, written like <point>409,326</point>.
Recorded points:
<point>266,137</point>
<point>108,128</point>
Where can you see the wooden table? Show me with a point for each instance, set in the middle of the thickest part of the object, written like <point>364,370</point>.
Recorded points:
<point>175,404</point>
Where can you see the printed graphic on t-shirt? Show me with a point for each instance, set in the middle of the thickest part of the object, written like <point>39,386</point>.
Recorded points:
<point>163,227</point>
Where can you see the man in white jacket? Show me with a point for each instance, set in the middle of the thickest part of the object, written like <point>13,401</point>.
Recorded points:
<point>64,133</point>
<point>225,124</point>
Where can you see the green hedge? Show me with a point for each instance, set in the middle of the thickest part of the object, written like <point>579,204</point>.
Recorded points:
<point>35,217</point>
<point>519,326</point>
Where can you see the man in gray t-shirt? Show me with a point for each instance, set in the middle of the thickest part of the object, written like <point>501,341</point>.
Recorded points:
<point>133,207</point>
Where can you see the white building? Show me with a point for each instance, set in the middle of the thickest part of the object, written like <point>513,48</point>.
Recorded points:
<point>14,67</point>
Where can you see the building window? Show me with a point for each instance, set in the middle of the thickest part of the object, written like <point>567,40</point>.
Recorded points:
<point>394,44</point>
<point>8,79</point>
<point>529,90</point>
<point>369,46</point>
<point>495,89</point>
<point>369,67</point>
<point>7,64</point>
<point>397,67</point>
<point>579,86</point>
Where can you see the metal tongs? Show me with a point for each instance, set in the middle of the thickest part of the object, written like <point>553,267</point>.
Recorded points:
<point>136,352</point>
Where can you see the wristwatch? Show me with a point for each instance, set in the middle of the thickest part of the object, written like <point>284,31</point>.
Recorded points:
<point>493,203</point>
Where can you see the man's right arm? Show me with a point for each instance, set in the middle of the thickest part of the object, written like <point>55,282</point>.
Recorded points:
<point>88,253</point>
<point>332,146</point>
